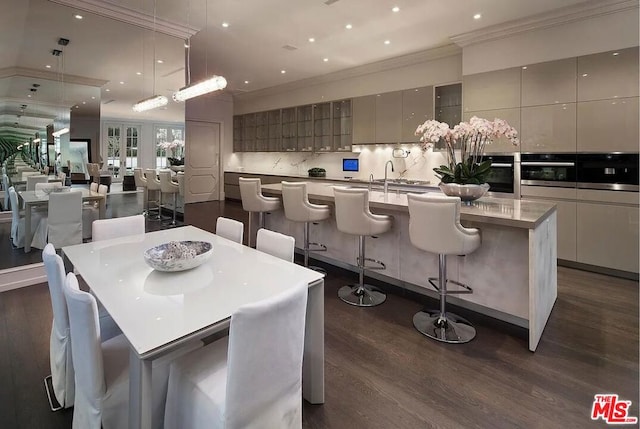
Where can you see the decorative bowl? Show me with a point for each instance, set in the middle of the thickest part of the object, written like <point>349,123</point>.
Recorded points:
<point>178,255</point>
<point>467,193</point>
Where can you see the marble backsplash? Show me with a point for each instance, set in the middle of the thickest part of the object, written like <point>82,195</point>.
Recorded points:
<point>418,165</point>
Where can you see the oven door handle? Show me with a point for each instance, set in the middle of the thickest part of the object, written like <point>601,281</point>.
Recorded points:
<point>548,164</point>
<point>501,164</point>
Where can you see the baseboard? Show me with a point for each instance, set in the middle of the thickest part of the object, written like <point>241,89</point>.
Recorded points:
<point>600,270</point>
<point>26,275</point>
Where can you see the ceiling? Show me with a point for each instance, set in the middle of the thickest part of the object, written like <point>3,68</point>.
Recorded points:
<point>115,40</point>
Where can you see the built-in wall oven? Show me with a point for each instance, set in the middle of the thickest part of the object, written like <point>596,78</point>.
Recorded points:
<point>504,176</point>
<point>557,170</point>
<point>609,171</point>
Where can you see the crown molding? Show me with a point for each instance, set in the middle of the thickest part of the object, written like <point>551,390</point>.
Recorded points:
<point>29,101</point>
<point>375,67</point>
<point>46,75</point>
<point>131,16</point>
<point>561,16</point>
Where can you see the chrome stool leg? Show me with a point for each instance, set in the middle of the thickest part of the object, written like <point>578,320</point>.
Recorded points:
<point>175,203</point>
<point>249,225</point>
<point>362,294</point>
<point>321,248</point>
<point>439,324</point>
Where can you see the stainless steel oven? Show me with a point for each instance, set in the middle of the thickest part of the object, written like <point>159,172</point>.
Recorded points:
<point>610,171</point>
<point>557,170</point>
<point>504,175</point>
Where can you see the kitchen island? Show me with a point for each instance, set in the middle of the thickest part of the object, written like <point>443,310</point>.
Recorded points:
<point>513,274</point>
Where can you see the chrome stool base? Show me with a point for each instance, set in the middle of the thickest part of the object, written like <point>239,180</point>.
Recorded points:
<point>452,329</point>
<point>362,296</point>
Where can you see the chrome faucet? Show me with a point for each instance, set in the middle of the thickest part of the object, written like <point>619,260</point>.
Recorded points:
<point>386,183</point>
<point>370,181</point>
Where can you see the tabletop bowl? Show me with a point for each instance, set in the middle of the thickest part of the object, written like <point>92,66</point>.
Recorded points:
<point>178,255</point>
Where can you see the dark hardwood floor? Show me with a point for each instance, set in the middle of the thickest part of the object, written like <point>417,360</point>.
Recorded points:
<point>381,373</point>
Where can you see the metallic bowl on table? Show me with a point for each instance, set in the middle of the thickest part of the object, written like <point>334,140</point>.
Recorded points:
<point>178,255</point>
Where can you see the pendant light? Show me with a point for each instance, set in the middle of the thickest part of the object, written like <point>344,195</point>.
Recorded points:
<point>211,84</point>
<point>154,101</point>
<point>59,53</point>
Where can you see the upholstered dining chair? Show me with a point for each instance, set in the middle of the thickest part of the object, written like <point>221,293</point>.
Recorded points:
<point>230,229</point>
<point>39,239</point>
<point>279,245</point>
<point>62,374</point>
<point>5,188</point>
<point>251,379</point>
<point>102,368</point>
<point>36,178</point>
<point>105,229</point>
<point>64,223</point>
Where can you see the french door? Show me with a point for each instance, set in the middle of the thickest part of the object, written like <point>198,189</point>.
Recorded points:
<point>121,149</point>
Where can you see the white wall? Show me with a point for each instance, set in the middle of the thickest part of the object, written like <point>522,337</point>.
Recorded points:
<point>87,128</point>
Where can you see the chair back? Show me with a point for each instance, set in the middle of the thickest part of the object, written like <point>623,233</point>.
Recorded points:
<point>250,194</point>
<point>15,215</point>
<point>434,225</point>
<point>276,244</point>
<point>62,374</point>
<point>94,171</point>
<point>105,229</point>
<point>5,187</point>
<point>32,180</point>
<point>65,219</point>
<point>353,215</point>
<point>297,207</point>
<point>86,353</point>
<point>103,189</point>
<point>167,185</point>
<point>264,364</point>
<point>138,176</point>
<point>93,187</point>
<point>47,186</point>
<point>230,229</point>
<point>153,183</point>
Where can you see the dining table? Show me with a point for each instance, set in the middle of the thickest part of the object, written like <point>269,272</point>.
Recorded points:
<point>163,313</point>
<point>33,199</point>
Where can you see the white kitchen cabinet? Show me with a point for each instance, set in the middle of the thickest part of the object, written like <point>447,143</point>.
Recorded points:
<point>491,90</point>
<point>608,75</point>
<point>548,129</point>
<point>388,119</point>
<point>552,82</point>
<point>363,119</point>
<point>608,125</point>
<point>417,107</point>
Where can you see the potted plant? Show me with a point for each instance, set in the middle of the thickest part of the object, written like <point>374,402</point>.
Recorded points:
<point>465,178</point>
<point>317,172</point>
<point>174,151</point>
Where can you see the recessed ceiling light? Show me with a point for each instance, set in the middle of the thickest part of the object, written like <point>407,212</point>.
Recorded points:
<point>325,59</point>
<point>77,107</point>
<point>283,71</point>
<point>84,102</point>
<point>121,83</point>
<point>395,9</point>
<point>225,24</point>
<point>477,16</point>
<point>48,66</point>
<point>139,73</point>
<point>524,67</point>
<point>29,95</point>
<point>93,98</point>
<point>348,26</point>
<point>585,74</point>
<point>160,61</point>
<point>387,42</point>
<point>77,16</point>
<point>107,90</point>
<point>615,54</point>
<point>246,82</point>
<point>312,39</point>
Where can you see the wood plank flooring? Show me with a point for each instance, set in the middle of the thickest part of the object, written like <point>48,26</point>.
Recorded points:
<point>381,373</point>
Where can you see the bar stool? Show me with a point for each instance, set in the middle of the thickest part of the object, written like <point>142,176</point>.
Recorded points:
<point>354,217</point>
<point>167,186</point>
<point>153,184</point>
<point>141,182</point>
<point>297,208</point>
<point>254,201</point>
<point>434,226</point>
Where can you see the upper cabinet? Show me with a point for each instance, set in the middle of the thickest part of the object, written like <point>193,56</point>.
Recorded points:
<point>417,107</point>
<point>364,118</point>
<point>448,104</point>
<point>289,130</point>
<point>388,123</point>
<point>342,125</point>
<point>491,90</point>
<point>322,127</point>
<point>608,75</point>
<point>305,128</point>
<point>553,82</point>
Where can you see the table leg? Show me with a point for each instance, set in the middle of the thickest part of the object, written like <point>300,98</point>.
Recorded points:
<point>140,392</point>
<point>27,228</point>
<point>313,363</point>
<point>103,207</point>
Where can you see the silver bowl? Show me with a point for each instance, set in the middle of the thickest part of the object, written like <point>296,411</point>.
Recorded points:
<point>178,255</point>
<point>465,192</point>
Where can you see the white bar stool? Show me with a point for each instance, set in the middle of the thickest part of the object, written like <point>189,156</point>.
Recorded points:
<point>297,208</point>
<point>434,226</point>
<point>254,201</point>
<point>167,186</point>
<point>354,217</point>
<point>141,182</point>
<point>153,184</point>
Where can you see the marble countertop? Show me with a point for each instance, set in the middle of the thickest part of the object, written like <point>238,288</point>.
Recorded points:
<point>526,214</point>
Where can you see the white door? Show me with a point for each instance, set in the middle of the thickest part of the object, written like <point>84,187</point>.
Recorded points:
<point>202,161</point>
<point>121,149</point>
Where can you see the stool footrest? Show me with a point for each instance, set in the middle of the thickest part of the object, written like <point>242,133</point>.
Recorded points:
<point>468,289</point>
<point>320,247</point>
<point>380,265</point>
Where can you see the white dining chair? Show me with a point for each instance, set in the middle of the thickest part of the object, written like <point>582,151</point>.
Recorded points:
<point>91,211</point>
<point>93,187</point>
<point>251,379</point>
<point>64,223</point>
<point>102,368</point>
<point>5,187</point>
<point>279,245</point>
<point>230,229</point>
<point>105,229</point>
<point>62,373</point>
<point>32,180</point>
<point>39,239</point>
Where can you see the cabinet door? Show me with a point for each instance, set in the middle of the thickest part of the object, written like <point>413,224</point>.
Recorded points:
<point>304,115</point>
<point>608,125</point>
<point>546,129</point>
<point>322,127</point>
<point>238,143</point>
<point>364,119</point>
<point>262,132</point>
<point>607,235</point>
<point>608,75</point>
<point>491,90</point>
<point>417,107</point>
<point>341,117</point>
<point>249,131</point>
<point>389,117</point>
<point>275,130</point>
<point>289,130</point>
<point>553,82</point>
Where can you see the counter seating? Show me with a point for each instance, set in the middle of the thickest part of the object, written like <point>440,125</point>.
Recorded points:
<point>153,184</point>
<point>167,186</point>
<point>253,201</point>
<point>141,182</point>
<point>354,217</point>
<point>297,208</point>
<point>434,226</point>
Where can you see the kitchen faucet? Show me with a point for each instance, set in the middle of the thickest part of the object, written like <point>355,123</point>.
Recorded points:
<point>370,181</point>
<point>386,184</point>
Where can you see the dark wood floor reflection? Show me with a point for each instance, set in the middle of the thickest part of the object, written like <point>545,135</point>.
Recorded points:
<point>381,373</point>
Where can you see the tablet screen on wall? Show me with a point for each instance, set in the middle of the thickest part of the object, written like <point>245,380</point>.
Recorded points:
<point>350,164</point>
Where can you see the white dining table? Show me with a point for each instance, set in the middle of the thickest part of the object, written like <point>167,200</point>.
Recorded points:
<point>161,312</point>
<point>33,199</point>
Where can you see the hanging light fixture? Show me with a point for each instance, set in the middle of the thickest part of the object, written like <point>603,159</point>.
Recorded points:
<point>214,83</point>
<point>60,56</point>
<point>60,132</point>
<point>154,101</point>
